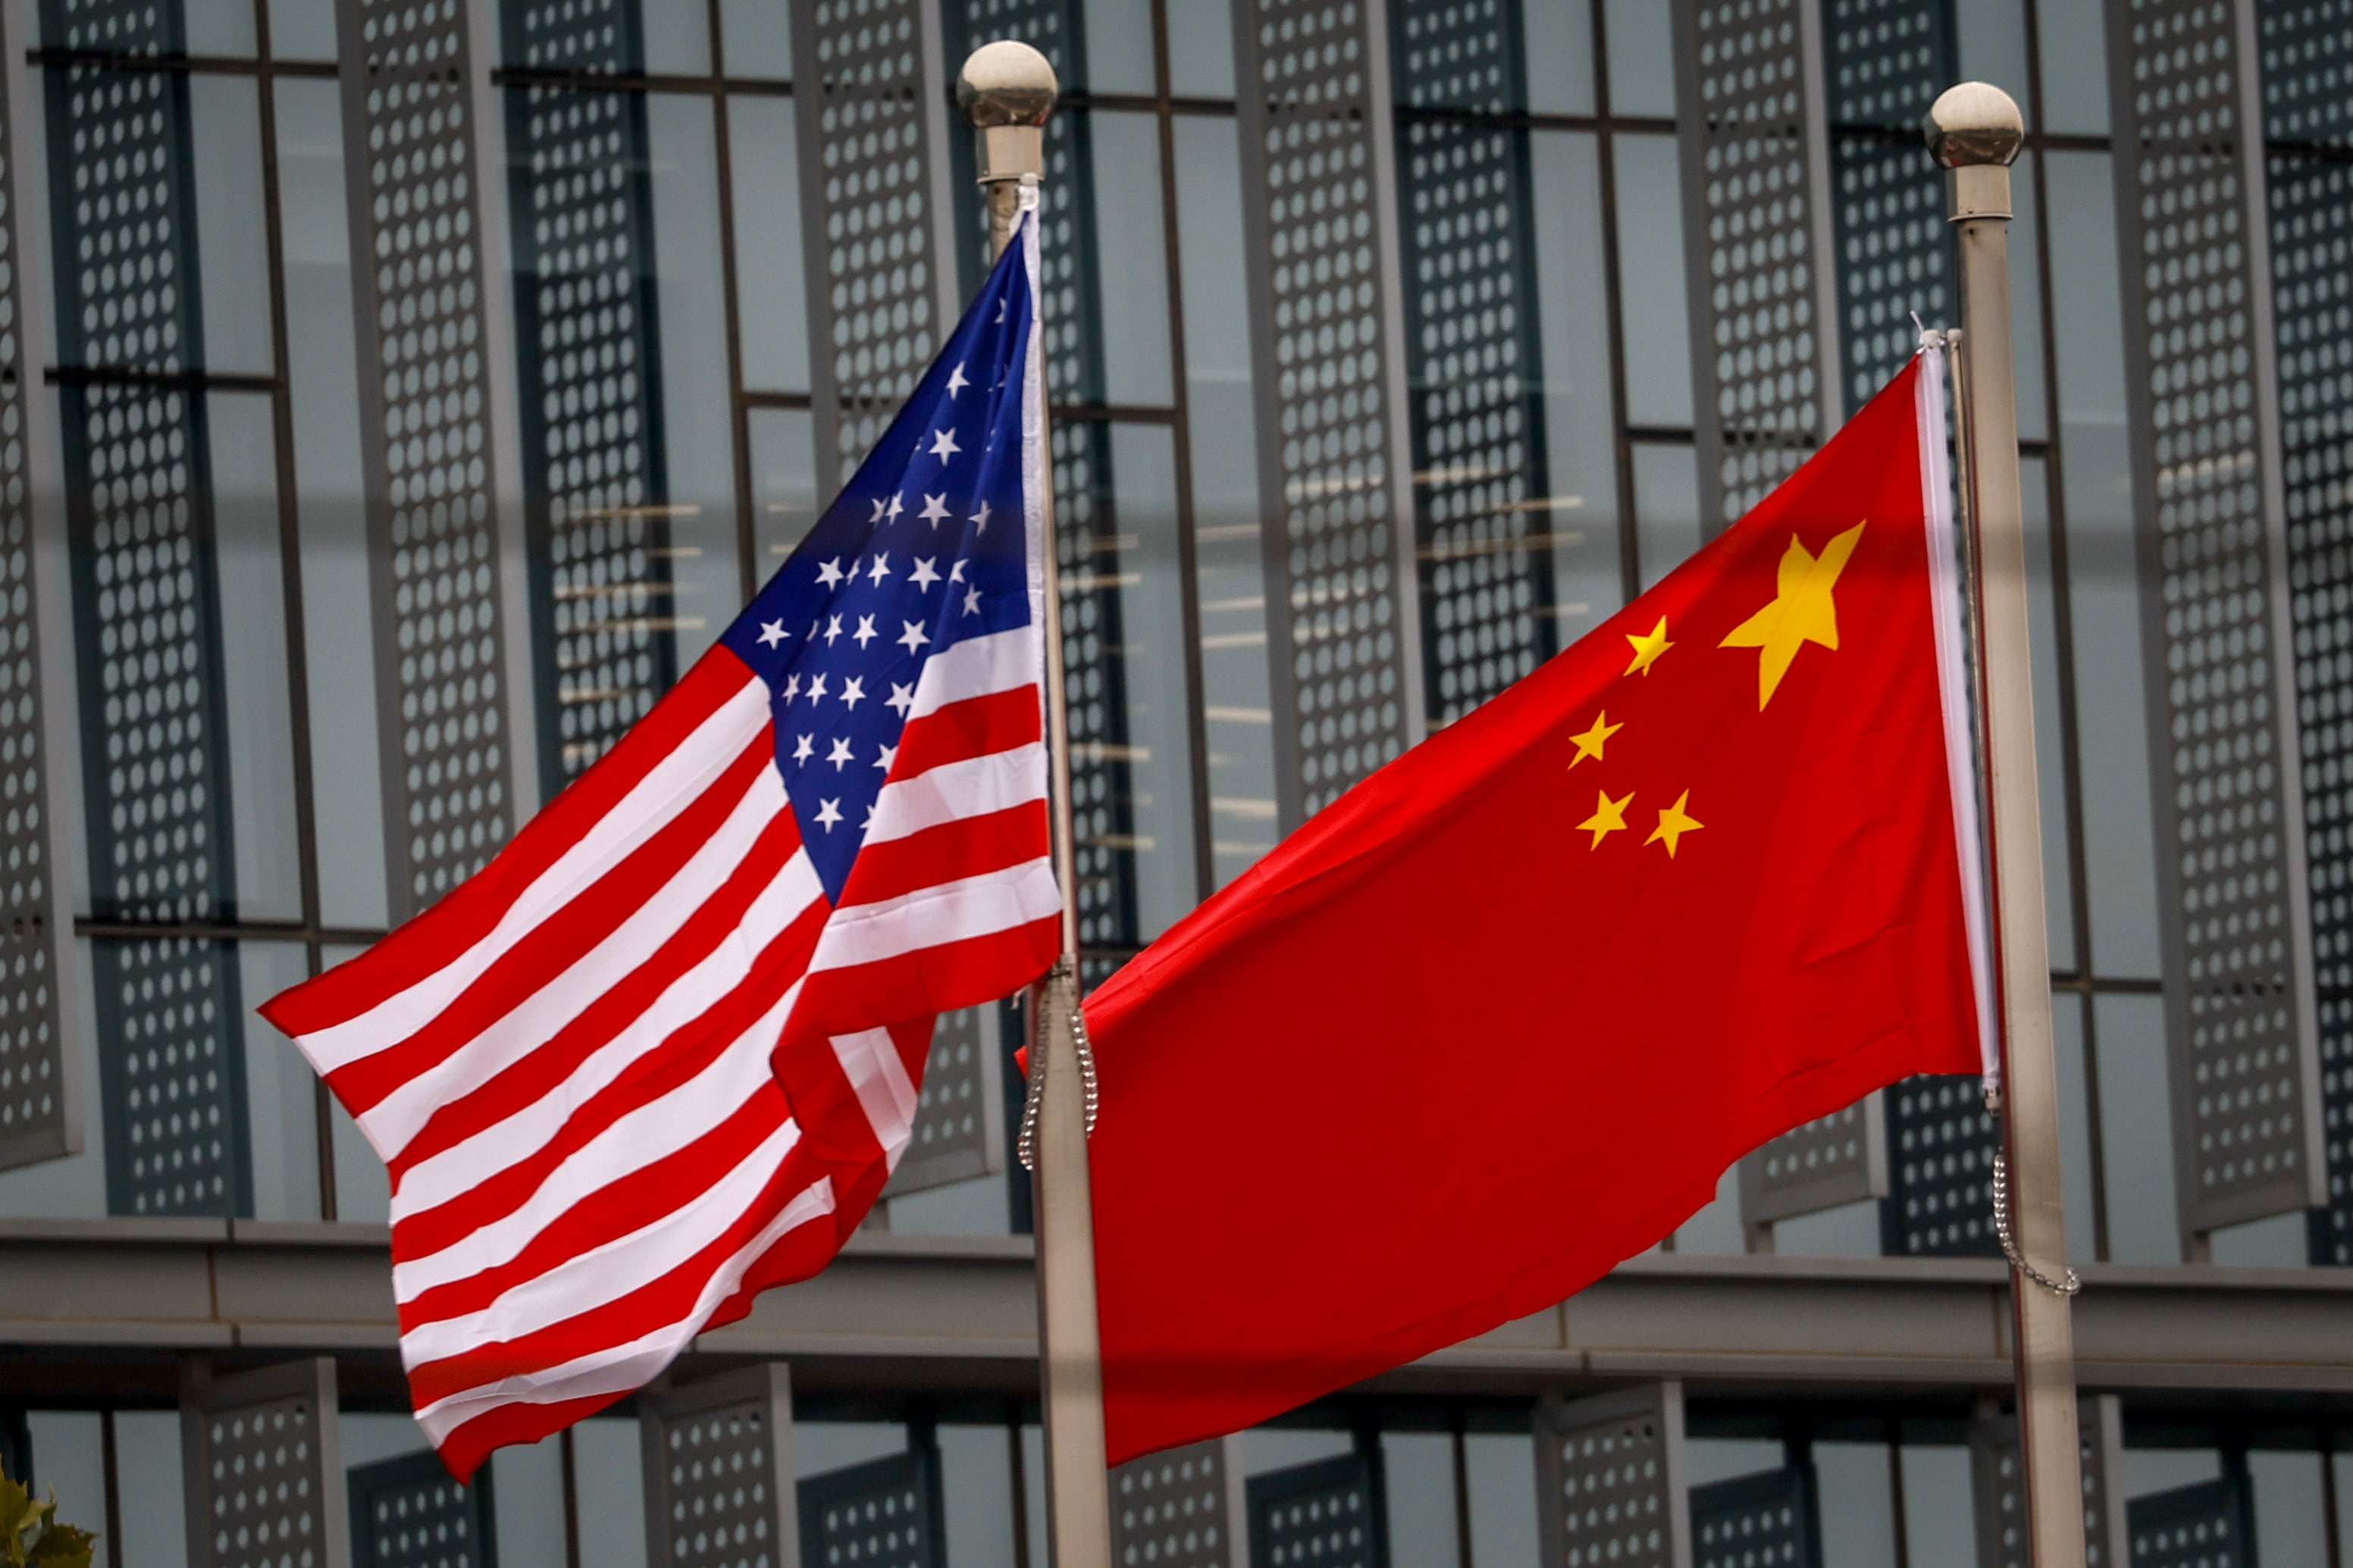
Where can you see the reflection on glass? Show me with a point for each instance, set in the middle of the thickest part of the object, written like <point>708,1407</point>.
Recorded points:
<point>261,780</point>
<point>1151,653</point>
<point>2051,774</point>
<point>1236,704</point>
<point>784,484</point>
<point>1131,259</point>
<point>233,271</point>
<point>282,1092</point>
<point>1666,509</point>
<point>768,270</point>
<point>1651,282</point>
<point>1579,455</point>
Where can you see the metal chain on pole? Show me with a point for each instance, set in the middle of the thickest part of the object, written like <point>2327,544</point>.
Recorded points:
<point>2009,1247</point>
<point>1063,976</point>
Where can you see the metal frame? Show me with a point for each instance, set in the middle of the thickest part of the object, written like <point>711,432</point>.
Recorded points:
<point>1998,1484</point>
<point>475,1507</point>
<point>1291,633</point>
<point>323,1509</point>
<point>978,1085</point>
<point>917,1469</point>
<point>2226,1503</point>
<point>765,1389</point>
<point>1824,1177</point>
<point>1141,1525</point>
<point>2280,879</point>
<point>1791,1486</point>
<point>1658,1406</point>
<point>1264,1494</point>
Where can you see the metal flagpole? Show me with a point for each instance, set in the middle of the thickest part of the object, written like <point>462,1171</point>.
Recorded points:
<point>1975,130</point>
<point>1008,89</point>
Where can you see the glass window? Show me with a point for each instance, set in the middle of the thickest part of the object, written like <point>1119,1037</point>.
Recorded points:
<point>1571,304</point>
<point>763,153</point>
<point>759,39</point>
<point>678,37</point>
<point>784,484</point>
<point>147,1468</point>
<point>2079,1147</point>
<point>1666,509</point>
<point>1641,36</point>
<point>2291,1504</point>
<point>2075,73</point>
<point>1201,50</point>
<point>1499,1476</point>
<point>1131,259</point>
<point>977,1494</point>
<point>2026,302</point>
<point>1119,46</point>
<point>2136,1130</point>
<point>1651,296</point>
<point>527,1502</point>
<point>219,27</point>
<point>1151,665</point>
<point>302,30</point>
<point>1418,1471</point>
<point>2050,762</point>
<point>1557,38</point>
<point>608,1492</point>
<point>232,239</point>
<point>281,1092</point>
<point>1852,1483</point>
<point>1992,36</point>
<point>69,1450</point>
<point>1939,1506</point>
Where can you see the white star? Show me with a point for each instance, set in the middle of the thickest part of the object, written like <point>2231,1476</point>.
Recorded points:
<point>955,572</point>
<point>924,576</point>
<point>816,684</point>
<point>865,632</point>
<point>980,518</point>
<point>971,606</point>
<point>829,812</point>
<point>936,509</point>
<point>914,638</point>
<point>891,513</point>
<point>853,691</point>
<point>902,699</point>
<point>866,823</point>
<point>840,755</point>
<point>882,567</point>
<point>878,513</point>
<point>771,632</point>
<point>943,444</point>
<point>829,574</point>
<point>802,746</point>
<point>1000,310</point>
<point>956,382</point>
<point>889,755</point>
<point>792,687</point>
<point>832,629</point>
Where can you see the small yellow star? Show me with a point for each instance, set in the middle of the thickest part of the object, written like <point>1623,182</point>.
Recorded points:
<point>1589,744</point>
<point>1647,646</point>
<point>1674,824</point>
<point>1609,817</point>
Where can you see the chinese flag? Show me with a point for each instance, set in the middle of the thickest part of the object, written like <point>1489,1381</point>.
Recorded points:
<point>1501,1015</point>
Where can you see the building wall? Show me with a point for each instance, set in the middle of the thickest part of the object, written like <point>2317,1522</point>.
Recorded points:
<point>380,439</point>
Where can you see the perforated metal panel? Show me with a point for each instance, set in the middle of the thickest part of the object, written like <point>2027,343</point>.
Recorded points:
<point>1467,242</point>
<point>2000,1486</point>
<point>959,1130</point>
<point>1764,1521</point>
<point>1319,212</point>
<point>40,1099</point>
<point>417,279</point>
<point>580,210</point>
<point>1089,542</point>
<point>719,1472</point>
<point>1756,236</point>
<point>2307,51</point>
<point>147,633</point>
<point>873,213</point>
<point>1180,1508</point>
<point>262,1469</point>
<point>1941,1141</point>
<point>1610,1478</point>
<point>2215,620</point>
<point>1887,60</point>
<point>1329,1513</point>
<point>1836,1159</point>
<point>408,1513</point>
<point>882,1514</point>
<point>2210,1525</point>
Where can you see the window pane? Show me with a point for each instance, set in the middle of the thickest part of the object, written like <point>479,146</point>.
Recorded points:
<point>1858,1504</point>
<point>1119,46</point>
<point>1418,1472</point>
<point>147,1469</point>
<point>1131,259</point>
<point>1650,274</point>
<point>223,28</point>
<point>2075,67</point>
<point>976,1495</point>
<point>678,37</point>
<point>2078,1149</point>
<point>1992,35</point>
<point>1666,509</point>
<point>281,1092</point>
<point>759,38</point>
<point>1579,460</point>
<point>1939,1511</point>
<point>784,484</point>
<point>2137,1131</point>
<point>2026,304</point>
<point>69,1451</point>
<point>774,317</point>
<point>1557,38</point>
<point>1642,56</point>
<point>233,264</point>
<point>1201,49</point>
<point>1150,657</point>
<point>2051,774</point>
<point>302,29</point>
<point>1500,1486</point>
<point>608,1492</point>
<point>253,650</point>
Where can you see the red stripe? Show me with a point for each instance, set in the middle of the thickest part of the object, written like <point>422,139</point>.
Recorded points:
<point>968,846</point>
<point>544,1070</point>
<point>962,974</point>
<point>559,942</point>
<point>466,1446</point>
<point>471,911</point>
<point>972,728</point>
<point>686,1052</point>
<point>604,1215</point>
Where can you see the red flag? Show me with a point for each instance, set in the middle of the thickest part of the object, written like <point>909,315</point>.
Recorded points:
<point>1501,1015</point>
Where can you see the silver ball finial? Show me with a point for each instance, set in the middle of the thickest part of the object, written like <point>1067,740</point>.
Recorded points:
<point>1007,83</point>
<point>1975,123</point>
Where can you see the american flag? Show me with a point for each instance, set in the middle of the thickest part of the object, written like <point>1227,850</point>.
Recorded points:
<point>662,1052</point>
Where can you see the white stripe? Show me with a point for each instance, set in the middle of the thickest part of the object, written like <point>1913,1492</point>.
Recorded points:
<point>936,916</point>
<point>617,1369</point>
<point>870,1060</point>
<point>465,1166</point>
<point>974,786</point>
<point>1037,477</point>
<point>978,667</point>
<point>1945,602</point>
<point>604,1274</point>
<point>649,1133</point>
<point>534,1020</point>
<point>667,788</point>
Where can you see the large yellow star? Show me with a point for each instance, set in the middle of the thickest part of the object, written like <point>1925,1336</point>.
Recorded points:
<point>1647,646</point>
<point>1609,817</point>
<point>1589,744</point>
<point>1674,824</point>
<point>1802,611</point>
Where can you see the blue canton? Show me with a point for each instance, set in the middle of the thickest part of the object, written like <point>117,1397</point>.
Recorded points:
<point>924,547</point>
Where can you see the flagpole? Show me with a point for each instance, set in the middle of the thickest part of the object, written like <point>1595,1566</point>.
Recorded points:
<point>1008,89</point>
<point>1975,130</point>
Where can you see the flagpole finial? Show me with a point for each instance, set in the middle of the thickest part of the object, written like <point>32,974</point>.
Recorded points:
<point>1975,123</point>
<point>1008,90</point>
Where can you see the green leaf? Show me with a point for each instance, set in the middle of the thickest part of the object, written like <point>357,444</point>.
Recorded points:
<point>62,1546</point>
<point>20,1522</point>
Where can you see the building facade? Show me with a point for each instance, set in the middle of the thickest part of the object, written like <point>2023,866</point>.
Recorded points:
<point>397,394</point>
